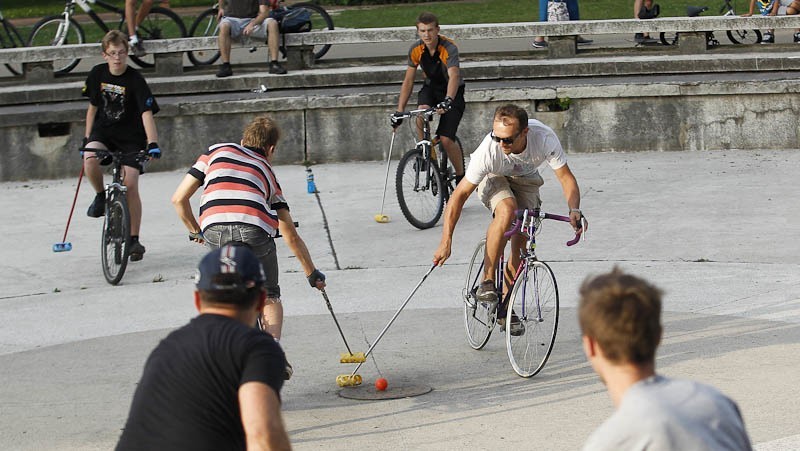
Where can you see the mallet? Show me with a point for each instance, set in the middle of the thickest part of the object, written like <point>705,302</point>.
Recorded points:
<point>349,357</point>
<point>380,217</point>
<point>65,246</point>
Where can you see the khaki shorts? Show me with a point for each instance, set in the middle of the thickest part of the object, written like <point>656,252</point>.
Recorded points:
<point>495,188</point>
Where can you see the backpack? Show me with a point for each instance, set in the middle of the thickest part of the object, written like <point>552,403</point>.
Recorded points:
<point>292,20</point>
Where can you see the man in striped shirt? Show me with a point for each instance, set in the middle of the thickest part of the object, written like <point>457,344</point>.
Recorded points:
<point>242,201</point>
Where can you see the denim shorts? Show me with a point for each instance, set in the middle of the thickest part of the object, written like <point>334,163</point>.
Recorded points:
<point>238,24</point>
<point>262,244</point>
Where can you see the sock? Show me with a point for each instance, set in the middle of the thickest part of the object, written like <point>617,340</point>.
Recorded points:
<point>134,39</point>
<point>134,238</point>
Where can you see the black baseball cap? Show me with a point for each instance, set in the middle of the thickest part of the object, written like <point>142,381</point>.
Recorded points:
<point>232,267</point>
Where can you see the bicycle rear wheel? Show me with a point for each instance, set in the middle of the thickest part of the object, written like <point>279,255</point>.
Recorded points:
<point>744,36</point>
<point>10,39</point>
<point>160,23</point>
<point>419,190</point>
<point>479,319</point>
<point>535,302</point>
<point>320,21</point>
<point>205,25</point>
<point>116,238</point>
<point>55,31</point>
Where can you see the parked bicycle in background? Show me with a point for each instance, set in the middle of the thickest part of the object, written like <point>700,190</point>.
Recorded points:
<point>735,36</point>
<point>63,29</point>
<point>10,39</point>
<point>295,18</point>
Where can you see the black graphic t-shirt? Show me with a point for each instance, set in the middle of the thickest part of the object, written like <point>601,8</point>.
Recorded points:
<point>120,100</point>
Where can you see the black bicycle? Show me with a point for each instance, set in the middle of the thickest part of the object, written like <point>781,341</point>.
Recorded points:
<point>425,177</point>
<point>304,17</point>
<point>63,29</point>
<point>735,36</point>
<point>10,39</point>
<point>116,238</point>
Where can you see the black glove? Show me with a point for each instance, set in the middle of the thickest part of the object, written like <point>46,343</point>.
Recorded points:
<point>446,104</point>
<point>153,151</point>
<point>314,277</point>
<point>396,119</point>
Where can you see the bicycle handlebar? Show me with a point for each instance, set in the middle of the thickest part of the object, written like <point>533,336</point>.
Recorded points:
<point>419,112</point>
<point>521,216</point>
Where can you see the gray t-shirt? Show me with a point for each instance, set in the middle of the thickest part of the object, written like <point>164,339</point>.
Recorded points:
<point>672,414</point>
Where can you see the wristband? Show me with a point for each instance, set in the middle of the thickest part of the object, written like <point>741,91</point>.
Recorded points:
<point>575,210</point>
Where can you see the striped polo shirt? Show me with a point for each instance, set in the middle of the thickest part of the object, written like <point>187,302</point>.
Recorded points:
<point>435,66</point>
<point>239,187</point>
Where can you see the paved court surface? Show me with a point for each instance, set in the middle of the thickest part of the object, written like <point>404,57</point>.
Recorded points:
<point>717,230</point>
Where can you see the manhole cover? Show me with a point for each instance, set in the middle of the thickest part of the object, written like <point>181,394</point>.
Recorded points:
<point>368,392</point>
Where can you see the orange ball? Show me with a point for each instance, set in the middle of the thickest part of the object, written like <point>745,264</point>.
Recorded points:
<point>381,384</point>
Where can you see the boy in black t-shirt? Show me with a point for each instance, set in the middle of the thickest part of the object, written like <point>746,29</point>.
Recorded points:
<point>119,117</point>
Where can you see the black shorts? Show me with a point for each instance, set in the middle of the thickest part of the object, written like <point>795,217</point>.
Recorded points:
<point>448,122</point>
<point>129,147</point>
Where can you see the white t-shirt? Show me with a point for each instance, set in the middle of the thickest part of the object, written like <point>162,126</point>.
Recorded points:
<point>543,146</point>
<point>659,413</point>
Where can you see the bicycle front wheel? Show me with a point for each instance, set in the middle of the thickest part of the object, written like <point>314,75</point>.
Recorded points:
<point>419,190</point>
<point>55,31</point>
<point>479,319</point>
<point>161,23</point>
<point>11,39</point>
<point>534,301</point>
<point>320,21</point>
<point>744,36</point>
<point>116,238</point>
<point>205,25</point>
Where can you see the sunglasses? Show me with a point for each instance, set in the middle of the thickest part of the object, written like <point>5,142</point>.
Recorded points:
<point>510,140</point>
<point>120,54</point>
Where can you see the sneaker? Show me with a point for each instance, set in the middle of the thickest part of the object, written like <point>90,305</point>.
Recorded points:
<point>797,37</point>
<point>288,371</point>
<point>517,328</point>
<point>136,251</point>
<point>640,38</point>
<point>98,207</point>
<point>276,68</point>
<point>138,49</point>
<point>486,292</point>
<point>582,40</point>
<point>224,70</point>
<point>769,38</point>
<point>539,44</point>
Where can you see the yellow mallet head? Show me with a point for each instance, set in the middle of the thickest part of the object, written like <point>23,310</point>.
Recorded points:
<point>346,380</point>
<point>383,219</point>
<point>357,357</point>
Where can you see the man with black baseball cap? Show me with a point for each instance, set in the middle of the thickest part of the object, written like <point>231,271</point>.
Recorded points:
<point>214,383</point>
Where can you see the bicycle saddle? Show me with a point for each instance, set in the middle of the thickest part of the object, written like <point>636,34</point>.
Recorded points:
<point>694,11</point>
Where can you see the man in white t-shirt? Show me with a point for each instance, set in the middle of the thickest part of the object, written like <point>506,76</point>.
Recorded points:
<point>504,169</point>
<point>620,319</point>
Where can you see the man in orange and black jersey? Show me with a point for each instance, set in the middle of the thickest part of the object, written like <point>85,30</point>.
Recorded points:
<point>443,87</point>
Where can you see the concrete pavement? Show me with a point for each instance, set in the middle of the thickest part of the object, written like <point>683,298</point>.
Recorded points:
<point>716,230</point>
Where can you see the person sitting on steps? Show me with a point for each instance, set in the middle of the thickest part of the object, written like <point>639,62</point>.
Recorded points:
<point>247,19</point>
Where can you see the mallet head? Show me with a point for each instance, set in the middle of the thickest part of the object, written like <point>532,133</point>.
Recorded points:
<point>346,380</point>
<point>357,357</point>
<point>62,247</point>
<point>383,219</point>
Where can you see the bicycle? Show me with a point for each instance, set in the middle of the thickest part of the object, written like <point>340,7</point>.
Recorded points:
<point>115,240</point>
<point>207,24</point>
<point>532,296</point>
<point>735,36</point>
<point>10,39</point>
<point>63,29</point>
<point>425,177</point>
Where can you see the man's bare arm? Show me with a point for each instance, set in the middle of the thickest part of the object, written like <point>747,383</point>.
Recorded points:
<point>261,418</point>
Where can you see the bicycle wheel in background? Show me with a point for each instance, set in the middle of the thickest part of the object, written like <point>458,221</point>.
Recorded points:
<point>479,319</point>
<point>744,36</point>
<point>161,23</point>
<point>535,301</point>
<point>205,25</point>
<point>115,239</point>
<point>668,38</point>
<point>419,190</point>
<point>320,21</point>
<point>10,39</point>
<point>51,31</point>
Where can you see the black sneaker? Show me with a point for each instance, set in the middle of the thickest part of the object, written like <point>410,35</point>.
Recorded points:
<point>138,49</point>
<point>486,292</point>
<point>276,68</point>
<point>136,251</point>
<point>539,44</point>
<point>769,38</point>
<point>98,207</point>
<point>640,38</point>
<point>582,40</point>
<point>224,70</point>
<point>797,37</point>
<point>288,371</point>
<point>517,328</point>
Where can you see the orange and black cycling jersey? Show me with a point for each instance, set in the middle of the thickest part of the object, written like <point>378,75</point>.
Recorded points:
<point>435,66</point>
